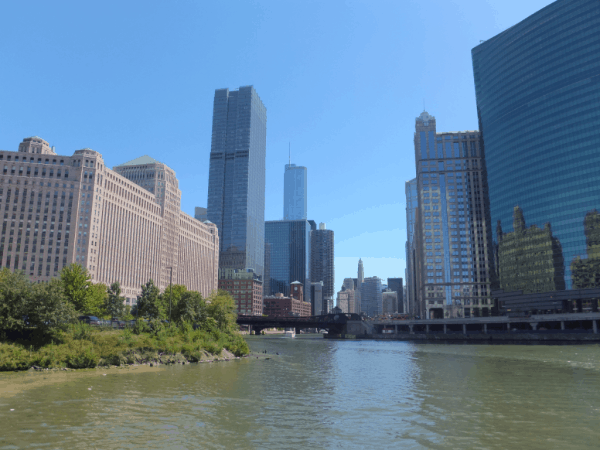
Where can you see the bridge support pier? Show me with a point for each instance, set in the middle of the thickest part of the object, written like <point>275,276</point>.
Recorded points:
<point>534,325</point>
<point>445,329</point>
<point>562,325</point>
<point>485,328</point>
<point>411,329</point>
<point>427,328</point>
<point>595,326</point>
<point>464,328</point>
<point>396,329</point>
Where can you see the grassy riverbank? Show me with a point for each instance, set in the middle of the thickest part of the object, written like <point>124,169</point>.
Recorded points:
<point>81,346</point>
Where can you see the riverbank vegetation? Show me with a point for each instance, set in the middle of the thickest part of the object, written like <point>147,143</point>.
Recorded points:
<point>39,326</point>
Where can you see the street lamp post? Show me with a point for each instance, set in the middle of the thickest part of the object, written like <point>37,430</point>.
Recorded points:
<point>170,294</point>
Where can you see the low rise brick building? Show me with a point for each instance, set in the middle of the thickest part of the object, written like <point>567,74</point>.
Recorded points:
<point>280,306</point>
<point>245,287</point>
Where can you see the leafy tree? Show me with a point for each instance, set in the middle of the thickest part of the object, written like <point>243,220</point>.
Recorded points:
<point>95,301</point>
<point>190,308</point>
<point>76,281</point>
<point>48,306</point>
<point>221,308</point>
<point>14,294</point>
<point>172,295</point>
<point>150,304</point>
<point>115,304</point>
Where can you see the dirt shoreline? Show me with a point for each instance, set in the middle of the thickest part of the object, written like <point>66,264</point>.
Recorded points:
<point>17,382</point>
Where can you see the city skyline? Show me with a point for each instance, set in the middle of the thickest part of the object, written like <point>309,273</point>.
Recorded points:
<point>174,126</point>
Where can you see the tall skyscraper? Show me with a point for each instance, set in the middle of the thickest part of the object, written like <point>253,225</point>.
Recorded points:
<point>371,297</point>
<point>358,290</point>
<point>322,262</point>
<point>412,203</point>
<point>538,94</point>
<point>236,187</point>
<point>454,272</point>
<point>294,192</point>
<point>395,285</point>
<point>289,247</point>
<point>316,295</point>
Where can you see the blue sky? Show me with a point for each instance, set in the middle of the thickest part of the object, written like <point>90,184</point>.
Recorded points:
<point>342,81</point>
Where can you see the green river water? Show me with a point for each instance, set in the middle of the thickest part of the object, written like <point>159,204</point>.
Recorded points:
<point>317,394</point>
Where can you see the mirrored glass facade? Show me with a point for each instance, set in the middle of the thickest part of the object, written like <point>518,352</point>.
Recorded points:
<point>288,242</point>
<point>538,100</point>
<point>295,192</point>
<point>236,187</point>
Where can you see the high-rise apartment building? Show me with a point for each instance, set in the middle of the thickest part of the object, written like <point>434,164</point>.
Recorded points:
<point>236,187</point>
<point>396,285</point>
<point>122,225</point>
<point>389,301</point>
<point>358,287</point>
<point>454,271</point>
<point>371,297</point>
<point>316,295</point>
<point>537,86</point>
<point>289,249</point>
<point>322,261</point>
<point>295,192</point>
<point>412,204</point>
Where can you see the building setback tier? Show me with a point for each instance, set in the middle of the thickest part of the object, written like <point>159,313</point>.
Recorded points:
<point>59,210</point>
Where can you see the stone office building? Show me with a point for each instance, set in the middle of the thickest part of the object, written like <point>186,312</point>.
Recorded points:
<point>122,225</point>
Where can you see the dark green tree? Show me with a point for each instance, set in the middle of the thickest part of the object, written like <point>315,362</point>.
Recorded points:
<point>15,291</point>
<point>115,304</point>
<point>221,307</point>
<point>191,307</point>
<point>150,304</point>
<point>48,306</point>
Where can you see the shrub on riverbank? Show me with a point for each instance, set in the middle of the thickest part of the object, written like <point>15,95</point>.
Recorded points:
<point>81,346</point>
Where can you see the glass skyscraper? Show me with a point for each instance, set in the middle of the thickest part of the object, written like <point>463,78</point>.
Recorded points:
<point>412,203</point>
<point>289,255</point>
<point>451,232</point>
<point>236,186</point>
<point>538,100</point>
<point>294,192</point>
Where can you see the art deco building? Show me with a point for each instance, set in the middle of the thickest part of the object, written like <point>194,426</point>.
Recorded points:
<point>537,86</point>
<point>123,225</point>
<point>453,261</point>
<point>236,186</point>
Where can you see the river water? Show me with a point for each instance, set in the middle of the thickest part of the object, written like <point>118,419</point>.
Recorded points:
<point>319,393</point>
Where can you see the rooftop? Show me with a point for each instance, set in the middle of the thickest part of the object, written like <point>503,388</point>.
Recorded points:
<point>140,161</point>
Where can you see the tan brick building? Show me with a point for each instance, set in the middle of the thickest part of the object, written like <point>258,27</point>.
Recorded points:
<point>122,225</point>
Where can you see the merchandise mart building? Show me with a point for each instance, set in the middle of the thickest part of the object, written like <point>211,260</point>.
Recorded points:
<point>122,225</point>
<point>538,100</point>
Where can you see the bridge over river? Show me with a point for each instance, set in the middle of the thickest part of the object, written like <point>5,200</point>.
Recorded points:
<point>568,327</point>
<point>333,323</point>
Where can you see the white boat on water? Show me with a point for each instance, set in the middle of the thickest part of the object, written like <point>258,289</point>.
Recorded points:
<point>289,333</point>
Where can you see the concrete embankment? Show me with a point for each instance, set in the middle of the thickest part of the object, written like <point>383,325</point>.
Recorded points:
<point>495,338</point>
